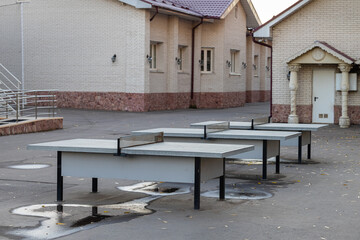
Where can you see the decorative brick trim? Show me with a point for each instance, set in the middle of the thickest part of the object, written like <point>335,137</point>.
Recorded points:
<point>31,126</point>
<point>257,96</point>
<point>140,102</point>
<point>353,111</point>
<point>281,112</point>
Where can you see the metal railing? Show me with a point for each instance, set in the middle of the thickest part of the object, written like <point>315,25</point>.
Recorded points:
<point>8,81</point>
<point>27,104</point>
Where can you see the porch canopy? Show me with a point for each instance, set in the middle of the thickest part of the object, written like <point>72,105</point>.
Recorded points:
<point>320,53</point>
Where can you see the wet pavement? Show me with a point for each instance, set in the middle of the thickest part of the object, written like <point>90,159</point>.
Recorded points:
<point>319,199</point>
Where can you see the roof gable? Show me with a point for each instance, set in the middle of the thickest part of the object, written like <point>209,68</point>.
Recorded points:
<point>317,57</point>
<point>264,31</point>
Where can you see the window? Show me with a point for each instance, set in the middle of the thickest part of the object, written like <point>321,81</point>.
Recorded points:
<point>234,66</point>
<point>206,62</point>
<point>180,58</point>
<point>152,57</point>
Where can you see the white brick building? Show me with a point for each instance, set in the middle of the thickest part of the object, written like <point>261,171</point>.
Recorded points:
<point>315,62</point>
<point>136,55</point>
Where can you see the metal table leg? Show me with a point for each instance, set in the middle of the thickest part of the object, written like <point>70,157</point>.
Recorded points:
<point>277,170</point>
<point>309,149</point>
<point>299,149</point>
<point>222,183</point>
<point>59,178</point>
<point>264,156</point>
<point>94,185</point>
<point>197,183</point>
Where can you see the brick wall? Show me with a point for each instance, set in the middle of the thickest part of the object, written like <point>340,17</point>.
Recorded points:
<point>332,21</point>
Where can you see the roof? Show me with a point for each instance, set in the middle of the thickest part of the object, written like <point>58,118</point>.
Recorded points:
<point>264,31</point>
<point>207,8</point>
<point>211,9</point>
<point>327,48</point>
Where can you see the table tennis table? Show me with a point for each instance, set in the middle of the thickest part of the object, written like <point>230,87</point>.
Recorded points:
<point>264,124</point>
<point>146,158</point>
<point>267,143</point>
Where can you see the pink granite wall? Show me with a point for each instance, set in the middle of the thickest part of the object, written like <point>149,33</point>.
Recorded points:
<point>281,112</point>
<point>139,102</point>
<point>257,96</point>
<point>31,126</point>
<point>353,111</point>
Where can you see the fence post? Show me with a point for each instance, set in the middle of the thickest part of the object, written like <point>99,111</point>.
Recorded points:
<point>6,109</point>
<point>36,110</point>
<point>17,107</point>
<point>53,106</point>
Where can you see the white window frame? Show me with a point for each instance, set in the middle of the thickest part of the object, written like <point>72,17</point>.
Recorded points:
<point>153,55</point>
<point>234,61</point>
<point>180,58</point>
<point>205,62</point>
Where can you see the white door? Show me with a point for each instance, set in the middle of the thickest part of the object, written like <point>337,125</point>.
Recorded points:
<point>323,95</point>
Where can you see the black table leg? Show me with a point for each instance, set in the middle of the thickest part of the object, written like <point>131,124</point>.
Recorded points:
<point>59,178</point>
<point>94,211</point>
<point>264,152</point>
<point>277,171</point>
<point>197,183</point>
<point>309,149</point>
<point>299,149</point>
<point>222,184</point>
<point>59,208</point>
<point>94,185</point>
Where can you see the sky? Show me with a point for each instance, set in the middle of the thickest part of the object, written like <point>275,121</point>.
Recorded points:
<point>266,9</point>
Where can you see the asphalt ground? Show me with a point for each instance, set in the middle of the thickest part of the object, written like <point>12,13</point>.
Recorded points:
<point>319,199</point>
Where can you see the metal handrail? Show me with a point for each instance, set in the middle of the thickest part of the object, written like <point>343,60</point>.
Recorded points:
<point>27,103</point>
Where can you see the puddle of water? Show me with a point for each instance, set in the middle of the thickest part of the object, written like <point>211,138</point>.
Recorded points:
<point>244,194</point>
<point>158,189</point>
<point>66,219</point>
<point>29,166</point>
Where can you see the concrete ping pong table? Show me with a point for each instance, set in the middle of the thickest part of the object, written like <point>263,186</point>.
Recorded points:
<point>267,143</point>
<point>264,124</point>
<point>144,157</point>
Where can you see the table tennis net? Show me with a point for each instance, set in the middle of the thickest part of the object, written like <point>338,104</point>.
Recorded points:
<point>259,121</point>
<point>139,140</point>
<point>216,127</point>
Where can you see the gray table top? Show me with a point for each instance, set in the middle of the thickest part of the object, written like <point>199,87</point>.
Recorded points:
<point>180,149</point>
<point>226,134</point>
<point>266,126</point>
<point>206,123</point>
<point>279,126</point>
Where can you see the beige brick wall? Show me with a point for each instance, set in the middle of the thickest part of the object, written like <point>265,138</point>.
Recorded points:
<point>221,35</point>
<point>333,21</point>
<point>258,79</point>
<point>235,39</point>
<point>69,45</point>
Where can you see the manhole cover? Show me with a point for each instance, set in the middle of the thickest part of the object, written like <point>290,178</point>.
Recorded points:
<point>242,194</point>
<point>29,166</point>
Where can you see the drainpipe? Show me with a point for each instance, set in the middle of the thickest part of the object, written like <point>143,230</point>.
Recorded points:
<point>193,58</point>
<point>156,13</point>
<point>271,65</point>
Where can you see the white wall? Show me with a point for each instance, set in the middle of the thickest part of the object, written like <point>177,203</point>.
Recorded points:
<point>69,45</point>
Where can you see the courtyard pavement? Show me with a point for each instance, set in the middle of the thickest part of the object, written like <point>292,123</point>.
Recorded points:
<point>319,199</point>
